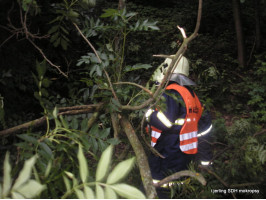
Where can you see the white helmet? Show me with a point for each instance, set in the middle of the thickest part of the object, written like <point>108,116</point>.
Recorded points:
<point>179,75</point>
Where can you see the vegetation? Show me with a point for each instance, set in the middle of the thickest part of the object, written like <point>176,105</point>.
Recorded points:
<point>74,85</point>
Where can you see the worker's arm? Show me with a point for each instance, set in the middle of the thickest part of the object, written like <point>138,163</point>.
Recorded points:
<point>173,114</point>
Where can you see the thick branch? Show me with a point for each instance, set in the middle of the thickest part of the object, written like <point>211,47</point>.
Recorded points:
<point>180,174</point>
<point>64,111</point>
<point>141,158</point>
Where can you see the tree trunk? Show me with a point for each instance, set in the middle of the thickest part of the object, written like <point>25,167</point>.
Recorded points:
<point>121,4</point>
<point>257,24</point>
<point>239,33</point>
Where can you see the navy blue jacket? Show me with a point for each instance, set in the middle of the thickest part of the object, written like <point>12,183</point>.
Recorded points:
<point>168,143</point>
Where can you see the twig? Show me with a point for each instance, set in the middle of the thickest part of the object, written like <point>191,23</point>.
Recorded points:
<point>56,66</point>
<point>163,56</point>
<point>110,84</point>
<point>87,42</point>
<point>137,85</point>
<point>258,133</point>
<point>216,176</point>
<point>182,32</point>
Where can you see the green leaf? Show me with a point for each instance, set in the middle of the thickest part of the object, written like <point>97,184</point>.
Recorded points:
<point>83,166</point>
<point>137,67</point>
<point>31,189</point>
<point>41,69</point>
<point>67,183</point>
<point>109,13</point>
<point>48,168</point>
<point>99,192</point>
<point>64,122</point>
<point>28,138</point>
<point>53,29</point>
<point>69,174</point>
<point>104,163</point>
<point>25,173</point>
<point>88,192</point>
<point>109,193</point>
<point>128,191</point>
<point>120,171</point>
<point>1,191</point>
<point>55,112</point>
<point>79,194</point>
<point>7,177</point>
<point>46,82</point>
<point>47,149</point>
<point>16,195</point>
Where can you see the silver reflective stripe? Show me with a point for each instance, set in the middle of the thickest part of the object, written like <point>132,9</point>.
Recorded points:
<point>155,134</point>
<point>187,147</point>
<point>153,143</point>
<point>205,132</point>
<point>148,114</point>
<point>205,163</point>
<point>188,136</point>
<point>166,185</point>
<point>180,121</point>
<point>164,119</point>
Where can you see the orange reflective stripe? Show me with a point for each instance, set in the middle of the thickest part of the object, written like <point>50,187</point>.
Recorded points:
<point>155,129</point>
<point>153,139</point>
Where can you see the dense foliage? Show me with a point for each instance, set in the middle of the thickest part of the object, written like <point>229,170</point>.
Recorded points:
<point>47,67</point>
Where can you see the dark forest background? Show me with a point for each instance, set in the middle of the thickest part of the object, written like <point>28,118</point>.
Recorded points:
<point>83,107</point>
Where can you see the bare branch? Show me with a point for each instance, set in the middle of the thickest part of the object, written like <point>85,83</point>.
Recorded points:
<point>180,174</point>
<point>137,85</point>
<point>182,32</point>
<point>94,50</point>
<point>65,111</point>
<point>56,66</point>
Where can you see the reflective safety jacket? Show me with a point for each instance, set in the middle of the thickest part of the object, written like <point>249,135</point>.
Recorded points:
<point>188,134</point>
<point>165,127</point>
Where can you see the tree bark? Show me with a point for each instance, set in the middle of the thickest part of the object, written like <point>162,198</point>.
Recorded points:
<point>75,110</point>
<point>142,160</point>
<point>257,25</point>
<point>239,33</point>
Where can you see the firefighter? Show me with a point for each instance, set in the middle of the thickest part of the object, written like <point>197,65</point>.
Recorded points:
<point>180,130</point>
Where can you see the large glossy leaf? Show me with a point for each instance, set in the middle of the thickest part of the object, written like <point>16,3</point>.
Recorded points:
<point>128,191</point>
<point>83,166</point>
<point>104,163</point>
<point>25,173</point>
<point>120,171</point>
